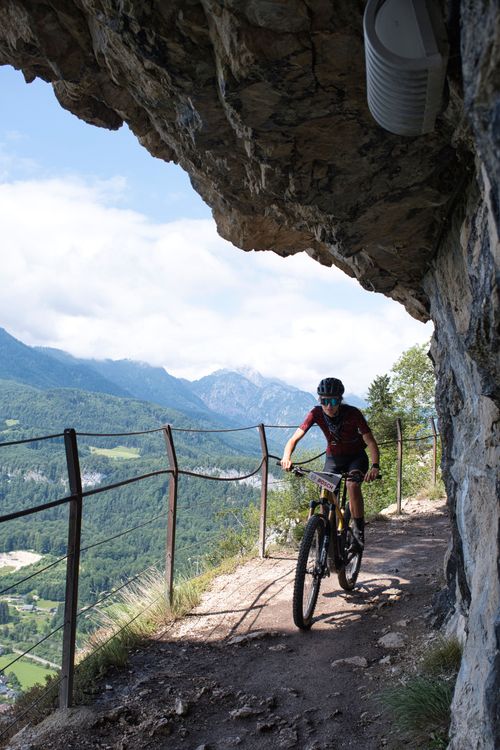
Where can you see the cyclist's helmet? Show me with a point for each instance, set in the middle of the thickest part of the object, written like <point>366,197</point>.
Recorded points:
<point>331,387</point>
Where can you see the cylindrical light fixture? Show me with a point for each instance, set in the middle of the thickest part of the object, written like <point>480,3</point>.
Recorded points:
<point>406,57</point>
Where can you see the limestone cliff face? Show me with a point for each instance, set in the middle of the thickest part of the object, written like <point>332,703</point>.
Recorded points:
<point>263,102</point>
<point>463,289</point>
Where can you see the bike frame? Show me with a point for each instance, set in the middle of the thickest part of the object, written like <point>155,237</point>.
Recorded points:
<point>332,502</point>
<point>328,544</point>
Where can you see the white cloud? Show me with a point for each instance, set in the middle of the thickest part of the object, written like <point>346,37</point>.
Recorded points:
<point>80,274</point>
<point>11,163</point>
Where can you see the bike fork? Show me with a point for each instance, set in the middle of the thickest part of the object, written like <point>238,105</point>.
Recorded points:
<point>324,555</point>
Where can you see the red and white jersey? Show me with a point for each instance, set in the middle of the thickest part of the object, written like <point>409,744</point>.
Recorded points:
<point>343,432</point>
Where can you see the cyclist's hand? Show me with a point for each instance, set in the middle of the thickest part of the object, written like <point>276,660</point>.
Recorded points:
<point>286,464</point>
<point>372,474</point>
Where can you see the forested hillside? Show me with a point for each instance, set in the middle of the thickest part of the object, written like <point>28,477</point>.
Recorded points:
<point>140,380</point>
<point>35,473</point>
<point>229,399</point>
<point>27,365</point>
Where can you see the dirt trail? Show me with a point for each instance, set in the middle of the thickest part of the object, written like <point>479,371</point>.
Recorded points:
<point>236,672</point>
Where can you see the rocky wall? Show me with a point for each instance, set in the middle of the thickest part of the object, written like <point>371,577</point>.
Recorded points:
<point>463,290</point>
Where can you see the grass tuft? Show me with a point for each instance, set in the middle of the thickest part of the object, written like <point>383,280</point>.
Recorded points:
<point>431,491</point>
<point>141,610</point>
<point>437,491</point>
<point>443,658</point>
<point>421,707</point>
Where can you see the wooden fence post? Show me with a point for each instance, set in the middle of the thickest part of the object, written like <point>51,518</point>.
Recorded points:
<point>172,512</point>
<point>72,569</point>
<point>434,451</point>
<point>263,490</point>
<point>399,486</point>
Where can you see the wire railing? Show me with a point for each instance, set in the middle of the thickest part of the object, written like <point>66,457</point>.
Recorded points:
<point>74,501</point>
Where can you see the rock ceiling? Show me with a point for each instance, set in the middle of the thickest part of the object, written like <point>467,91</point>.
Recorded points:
<point>264,104</point>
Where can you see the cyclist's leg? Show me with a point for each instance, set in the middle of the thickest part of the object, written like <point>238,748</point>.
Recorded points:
<point>352,537</point>
<point>335,466</point>
<point>357,468</point>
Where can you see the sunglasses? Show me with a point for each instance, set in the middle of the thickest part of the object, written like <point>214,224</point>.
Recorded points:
<point>326,401</point>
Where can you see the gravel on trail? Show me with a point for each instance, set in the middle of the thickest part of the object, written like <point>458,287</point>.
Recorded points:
<point>236,673</point>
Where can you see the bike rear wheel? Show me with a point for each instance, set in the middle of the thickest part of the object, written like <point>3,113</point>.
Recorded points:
<point>308,573</point>
<point>352,555</point>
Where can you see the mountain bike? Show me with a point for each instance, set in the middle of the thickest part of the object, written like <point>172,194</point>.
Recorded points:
<point>328,544</point>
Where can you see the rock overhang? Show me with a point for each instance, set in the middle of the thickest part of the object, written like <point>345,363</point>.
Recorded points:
<point>263,103</point>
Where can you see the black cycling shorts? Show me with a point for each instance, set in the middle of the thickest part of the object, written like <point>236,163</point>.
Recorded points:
<point>341,464</point>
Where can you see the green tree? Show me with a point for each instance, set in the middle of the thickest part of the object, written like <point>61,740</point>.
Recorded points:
<point>413,386</point>
<point>381,411</point>
<point>4,613</point>
<point>13,681</point>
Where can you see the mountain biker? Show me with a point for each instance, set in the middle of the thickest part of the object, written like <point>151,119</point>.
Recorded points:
<point>347,434</point>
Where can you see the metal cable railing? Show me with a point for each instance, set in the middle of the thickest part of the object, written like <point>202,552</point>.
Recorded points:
<point>75,502</point>
<point>86,493</point>
<point>406,440</point>
<point>35,509</point>
<point>117,632</point>
<point>52,687</point>
<point>32,648</point>
<point>221,479</point>
<point>121,533</point>
<point>31,440</point>
<point>231,429</point>
<point>120,434</point>
<point>300,463</point>
<point>116,590</point>
<point>32,575</point>
<point>196,545</point>
<point>123,483</point>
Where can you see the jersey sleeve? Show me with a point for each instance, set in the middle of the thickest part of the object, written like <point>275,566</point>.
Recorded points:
<point>308,421</point>
<point>362,424</point>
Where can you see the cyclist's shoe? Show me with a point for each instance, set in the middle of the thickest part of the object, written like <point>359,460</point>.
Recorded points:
<point>358,538</point>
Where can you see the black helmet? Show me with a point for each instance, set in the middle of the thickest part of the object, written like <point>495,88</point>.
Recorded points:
<point>331,387</point>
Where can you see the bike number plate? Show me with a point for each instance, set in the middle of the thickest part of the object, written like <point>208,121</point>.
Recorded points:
<point>328,481</point>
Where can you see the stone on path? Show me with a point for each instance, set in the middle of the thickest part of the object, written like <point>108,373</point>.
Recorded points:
<point>355,661</point>
<point>392,640</point>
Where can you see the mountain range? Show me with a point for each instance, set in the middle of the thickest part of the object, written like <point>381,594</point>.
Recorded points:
<point>227,398</point>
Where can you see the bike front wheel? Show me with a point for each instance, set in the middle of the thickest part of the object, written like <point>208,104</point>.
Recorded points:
<point>352,556</point>
<point>309,573</point>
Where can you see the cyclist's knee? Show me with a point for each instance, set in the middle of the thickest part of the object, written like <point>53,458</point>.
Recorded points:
<point>356,476</point>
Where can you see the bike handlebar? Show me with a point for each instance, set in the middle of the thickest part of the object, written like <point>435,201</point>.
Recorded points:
<point>300,471</point>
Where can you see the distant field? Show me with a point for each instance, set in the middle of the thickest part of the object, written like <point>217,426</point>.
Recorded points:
<point>121,451</point>
<point>46,604</point>
<point>27,672</point>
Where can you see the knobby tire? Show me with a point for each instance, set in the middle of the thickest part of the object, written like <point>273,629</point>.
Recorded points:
<point>349,572</point>
<point>308,573</point>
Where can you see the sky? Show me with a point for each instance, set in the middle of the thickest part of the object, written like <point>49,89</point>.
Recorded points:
<point>108,252</point>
